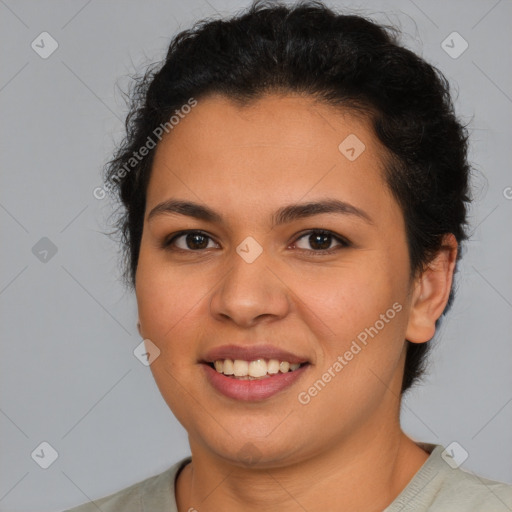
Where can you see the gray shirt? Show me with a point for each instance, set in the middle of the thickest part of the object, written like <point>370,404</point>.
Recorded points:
<point>436,487</point>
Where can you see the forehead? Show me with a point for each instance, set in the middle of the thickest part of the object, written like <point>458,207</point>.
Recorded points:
<point>279,148</point>
<point>279,120</point>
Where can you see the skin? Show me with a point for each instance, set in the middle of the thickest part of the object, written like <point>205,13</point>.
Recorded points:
<point>346,445</point>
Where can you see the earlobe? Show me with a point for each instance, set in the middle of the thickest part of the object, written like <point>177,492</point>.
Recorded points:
<point>431,292</point>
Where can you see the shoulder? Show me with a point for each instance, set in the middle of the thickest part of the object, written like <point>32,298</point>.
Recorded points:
<point>475,493</point>
<point>442,486</point>
<point>154,493</point>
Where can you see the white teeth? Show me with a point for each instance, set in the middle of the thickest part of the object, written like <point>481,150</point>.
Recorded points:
<point>241,368</point>
<point>259,368</point>
<point>284,366</point>
<point>273,366</point>
<point>227,367</point>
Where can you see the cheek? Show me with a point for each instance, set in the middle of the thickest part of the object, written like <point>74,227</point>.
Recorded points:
<point>165,298</point>
<point>363,318</point>
<point>360,356</point>
<point>350,298</point>
<point>169,303</point>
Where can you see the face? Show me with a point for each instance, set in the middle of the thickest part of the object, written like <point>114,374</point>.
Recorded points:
<point>237,263</point>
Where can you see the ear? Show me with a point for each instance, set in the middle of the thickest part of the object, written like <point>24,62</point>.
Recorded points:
<point>431,291</point>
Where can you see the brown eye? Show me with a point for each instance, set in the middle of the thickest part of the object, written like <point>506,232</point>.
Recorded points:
<point>320,240</point>
<point>190,241</point>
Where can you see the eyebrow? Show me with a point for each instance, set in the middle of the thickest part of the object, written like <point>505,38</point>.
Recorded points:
<point>284,215</point>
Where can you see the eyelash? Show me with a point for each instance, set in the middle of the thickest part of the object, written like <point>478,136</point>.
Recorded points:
<point>344,243</point>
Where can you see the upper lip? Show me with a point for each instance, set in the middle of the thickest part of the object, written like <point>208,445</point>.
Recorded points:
<point>251,353</point>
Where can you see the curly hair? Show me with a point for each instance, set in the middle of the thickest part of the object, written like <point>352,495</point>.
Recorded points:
<point>346,61</point>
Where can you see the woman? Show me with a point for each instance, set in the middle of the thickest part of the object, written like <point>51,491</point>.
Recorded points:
<point>292,238</point>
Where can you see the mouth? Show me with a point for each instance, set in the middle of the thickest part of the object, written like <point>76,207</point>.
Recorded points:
<point>252,373</point>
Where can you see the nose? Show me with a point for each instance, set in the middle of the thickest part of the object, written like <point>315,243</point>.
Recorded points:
<point>250,293</point>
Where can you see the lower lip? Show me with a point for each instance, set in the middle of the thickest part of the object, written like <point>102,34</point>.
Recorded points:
<point>252,390</point>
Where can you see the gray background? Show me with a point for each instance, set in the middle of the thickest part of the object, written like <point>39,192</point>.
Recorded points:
<point>68,373</point>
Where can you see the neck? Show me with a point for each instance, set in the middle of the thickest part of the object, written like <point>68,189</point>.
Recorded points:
<point>364,473</point>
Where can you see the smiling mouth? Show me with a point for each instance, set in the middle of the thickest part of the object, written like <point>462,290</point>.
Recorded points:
<point>257,369</point>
